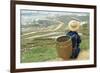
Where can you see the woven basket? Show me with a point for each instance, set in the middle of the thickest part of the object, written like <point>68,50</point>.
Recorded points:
<point>64,47</point>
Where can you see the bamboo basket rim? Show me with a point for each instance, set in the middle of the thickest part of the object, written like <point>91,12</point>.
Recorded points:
<point>63,36</point>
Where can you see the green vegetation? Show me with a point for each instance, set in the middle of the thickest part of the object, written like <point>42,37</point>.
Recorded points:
<point>39,54</point>
<point>84,44</point>
<point>43,49</point>
<point>85,37</point>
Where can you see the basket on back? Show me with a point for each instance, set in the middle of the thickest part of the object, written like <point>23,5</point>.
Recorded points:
<point>64,47</point>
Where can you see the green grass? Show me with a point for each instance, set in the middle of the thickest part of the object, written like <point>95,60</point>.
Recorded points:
<point>85,38</point>
<point>84,44</point>
<point>43,49</point>
<point>39,54</point>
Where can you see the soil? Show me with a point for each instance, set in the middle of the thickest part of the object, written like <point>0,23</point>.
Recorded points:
<point>84,54</point>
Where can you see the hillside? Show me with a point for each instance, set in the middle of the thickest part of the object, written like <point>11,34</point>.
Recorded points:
<point>38,36</point>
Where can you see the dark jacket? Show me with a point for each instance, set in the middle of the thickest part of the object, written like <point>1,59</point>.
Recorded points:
<point>76,40</point>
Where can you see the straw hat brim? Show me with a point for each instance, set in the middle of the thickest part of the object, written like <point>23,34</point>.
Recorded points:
<point>76,23</point>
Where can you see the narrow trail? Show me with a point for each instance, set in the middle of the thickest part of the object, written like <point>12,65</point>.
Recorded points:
<point>37,36</point>
<point>59,26</point>
<point>28,33</point>
<point>84,54</point>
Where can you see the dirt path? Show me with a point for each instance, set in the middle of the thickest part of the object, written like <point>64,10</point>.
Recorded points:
<point>84,54</point>
<point>52,33</point>
<point>59,26</point>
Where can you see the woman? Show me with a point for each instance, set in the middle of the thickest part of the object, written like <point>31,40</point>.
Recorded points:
<point>74,26</point>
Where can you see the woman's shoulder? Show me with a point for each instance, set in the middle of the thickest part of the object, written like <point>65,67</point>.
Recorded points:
<point>72,34</point>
